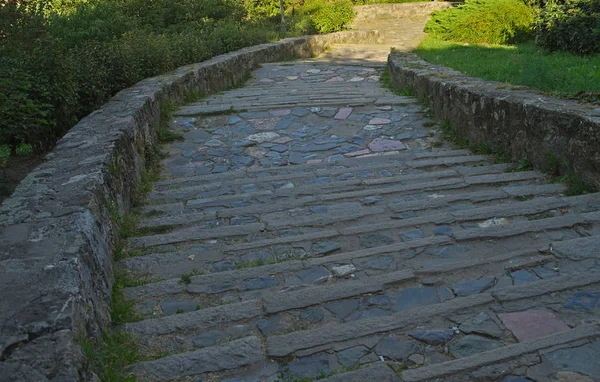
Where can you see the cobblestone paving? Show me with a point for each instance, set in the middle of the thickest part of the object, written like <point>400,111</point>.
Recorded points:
<point>307,229</point>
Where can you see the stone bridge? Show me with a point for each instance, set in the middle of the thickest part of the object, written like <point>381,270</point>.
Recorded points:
<point>311,224</point>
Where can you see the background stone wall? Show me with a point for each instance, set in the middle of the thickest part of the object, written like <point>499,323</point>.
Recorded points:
<point>57,235</point>
<point>521,123</point>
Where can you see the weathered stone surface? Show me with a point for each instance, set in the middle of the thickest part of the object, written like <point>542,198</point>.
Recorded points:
<point>467,288</point>
<point>471,345</point>
<point>432,337</point>
<point>379,372</point>
<point>583,359</point>
<point>325,247</point>
<point>170,307</point>
<point>351,357</point>
<point>531,324</point>
<point>230,355</point>
<point>484,324</point>
<point>413,297</point>
<point>395,349</point>
<point>309,367</point>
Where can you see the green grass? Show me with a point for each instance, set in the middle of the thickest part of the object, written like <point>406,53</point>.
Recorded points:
<point>110,357</point>
<point>559,74</point>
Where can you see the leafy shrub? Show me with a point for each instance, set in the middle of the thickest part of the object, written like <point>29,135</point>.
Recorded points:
<point>23,116</point>
<point>62,59</point>
<point>329,16</point>
<point>483,21</point>
<point>569,25</point>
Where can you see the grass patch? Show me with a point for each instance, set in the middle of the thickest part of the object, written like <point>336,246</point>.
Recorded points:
<point>386,80</point>
<point>122,310</point>
<point>112,355</point>
<point>523,165</point>
<point>558,74</point>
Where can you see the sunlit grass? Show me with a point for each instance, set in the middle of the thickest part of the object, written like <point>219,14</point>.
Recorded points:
<point>560,74</point>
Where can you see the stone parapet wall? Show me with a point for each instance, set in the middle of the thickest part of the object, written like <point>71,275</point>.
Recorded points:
<point>58,230</point>
<point>521,123</point>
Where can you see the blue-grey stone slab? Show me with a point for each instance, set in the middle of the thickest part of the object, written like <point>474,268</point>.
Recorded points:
<point>208,338</point>
<point>260,283</point>
<point>271,325</point>
<point>584,301</point>
<point>343,308</point>
<point>395,349</point>
<point>471,345</point>
<point>312,315</point>
<point>443,230</point>
<point>225,265</point>
<point>370,200</point>
<point>584,359</point>
<point>351,357</point>
<point>378,263</point>
<point>170,307</point>
<point>239,220</point>
<point>377,300</point>
<point>309,367</point>
<point>315,275</point>
<point>375,240</point>
<point>412,235</point>
<point>325,247</point>
<point>522,276</point>
<point>412,297</point>
<point>319,209</point>
<point>467,288</point>
<point>368,313</point>
<point>433,337</point>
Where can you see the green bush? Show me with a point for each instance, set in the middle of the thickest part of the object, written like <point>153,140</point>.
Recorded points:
<point>483,21</point>
<point>62,59</point>
<point>569,25</point>
<point>328,16</point>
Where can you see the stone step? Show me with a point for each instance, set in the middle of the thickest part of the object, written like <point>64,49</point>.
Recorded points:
<point>227,356</point>
<point>324,337</point>
<point>284,170</point>
<point>506,353</point>
<point>169,265</point>
<point>303,171</point>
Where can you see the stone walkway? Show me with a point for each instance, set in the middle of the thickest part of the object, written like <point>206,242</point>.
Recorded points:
<point>307,229</point>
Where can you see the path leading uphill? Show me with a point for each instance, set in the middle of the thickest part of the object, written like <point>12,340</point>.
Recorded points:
<point>314,232</point>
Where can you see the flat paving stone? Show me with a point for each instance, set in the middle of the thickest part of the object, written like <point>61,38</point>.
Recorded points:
<point>309,367</point>
<point>170,307</point>
<point>312,315</point>
<point>467,288</point>
<point>342,309</point>
<point>351,357</point>
<point>532,324</point>
<point>382,144</point>
<point>584,301</point>
<point>375,240</point>
<point>433,337</point>
<point>325,247</point>
<point>397,350</point>
<point>484,324</point>
<point>316,275</point>
<point>413,297</point>
<point>582,359</point>
<point>471,345</point>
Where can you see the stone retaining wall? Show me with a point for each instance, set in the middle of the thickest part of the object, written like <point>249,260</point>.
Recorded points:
<point>522,123</point>
<point>57,231</point>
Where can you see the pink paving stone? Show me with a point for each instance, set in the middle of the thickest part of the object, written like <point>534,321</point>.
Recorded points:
<point>532,324</point>
<point>357,153</point>
<point>335,79</point>
<point>282,140</point>
<point>314,161</point>
<point>388,107</point>
<point>267,80</point>
<point>379,121</point>
<point>343,113</point>
<point>382,144</point>
<point>280,112</point>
